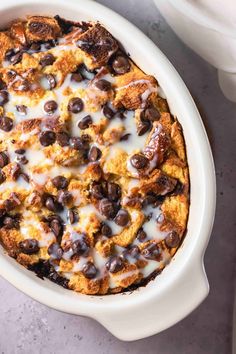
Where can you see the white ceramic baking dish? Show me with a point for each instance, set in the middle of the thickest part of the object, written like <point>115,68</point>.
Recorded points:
<point>183,285</point>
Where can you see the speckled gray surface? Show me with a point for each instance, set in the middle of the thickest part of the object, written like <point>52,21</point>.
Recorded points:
<point>28,327</point>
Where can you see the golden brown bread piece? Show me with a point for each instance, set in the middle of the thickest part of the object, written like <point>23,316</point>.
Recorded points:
<point>158,183</point>
<point>127,276</point>
<point>10,241</point>
<point>176,208</point>
<point>41,28</point>
<point>105,247</point>
<point>5,43</point>
<point>80,283</point>
<point>17,31</point>
<point>127,236</point>
<point>97,45</point>
<point>131,86</point>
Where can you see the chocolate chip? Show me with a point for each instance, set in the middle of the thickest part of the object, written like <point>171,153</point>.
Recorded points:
<point>63,139</point>
<point>102,85</point>
<point>60,182</point>
<point>3,85</point>
<point>6,124</point>
<point>64,197</point>
<point>51,81</point>
<point>166,184</point>
<point>22,109</point>
<point>22,159</point>
<point>151,114</point>
<point>108,208</point>
<point>51,217</point>
<point>4,98</point>
<point>15,59</point>
<point>15,172</point>
<point>179,188</point>
<point>94,154</point>
<point>139,161</point>
<point>72,216</point>
<point>134,251</point>
<point>149,199</point>
<point>10,222</point>
<point>52,204</point>
<point>50,107</point>
<point>11,74</point>
<point>4,159</point>
<point>143,127</point>
<point>125,137</point>
<point>121,65</point>
<point>107,112</point>
<point>9,53</point>
<point>9,204</point>
<point>55,251</point>
<point>78,144</point>
<point>85,122</point>
<point>89,270</point>
<point>97,191</point>
<point>47,138</point>
<point>172,240</point>
<point>50,123</point>
<point>56,227</point>
<point>80,247</point>
<point>76,77</point>
<point>122,218</point>
<point>20,151</point>
<point>113,191</point>
<point>2,177</point>
<point>115,264</point>
<point>48,59</point>
<point>29,246</point>
<point>35,47</point>
<point>106,230</point>
<point>75,105</point>
<point>141,235</point>
<point>152,251</point>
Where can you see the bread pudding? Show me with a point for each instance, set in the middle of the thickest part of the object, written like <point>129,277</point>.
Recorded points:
<point>94,183</point>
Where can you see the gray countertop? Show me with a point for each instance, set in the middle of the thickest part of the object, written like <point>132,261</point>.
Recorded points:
<point>29,327</point>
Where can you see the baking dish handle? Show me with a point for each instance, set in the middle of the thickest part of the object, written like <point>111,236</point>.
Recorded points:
<point>159,312</point>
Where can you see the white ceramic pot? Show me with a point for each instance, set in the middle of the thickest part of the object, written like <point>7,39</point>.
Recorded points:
<point>209,28</point>
<point>183,285</point>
